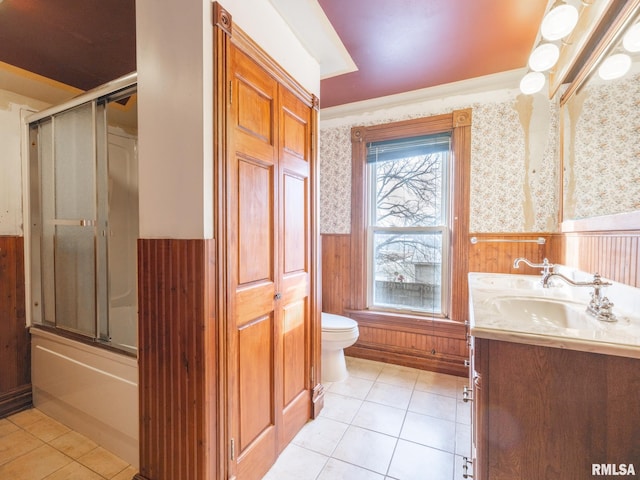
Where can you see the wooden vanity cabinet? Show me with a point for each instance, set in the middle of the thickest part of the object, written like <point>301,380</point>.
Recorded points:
<point>551,413</point>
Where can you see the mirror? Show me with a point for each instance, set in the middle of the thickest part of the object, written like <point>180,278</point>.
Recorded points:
<point>600,129</point>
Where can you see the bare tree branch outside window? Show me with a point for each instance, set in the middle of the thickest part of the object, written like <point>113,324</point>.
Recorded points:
<point>408,204</point>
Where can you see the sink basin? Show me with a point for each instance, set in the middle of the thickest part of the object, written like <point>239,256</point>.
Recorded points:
<point>543,311</point>
<point>510,281</point>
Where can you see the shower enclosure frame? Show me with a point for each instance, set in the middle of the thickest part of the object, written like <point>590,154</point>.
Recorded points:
<point>91,297</point>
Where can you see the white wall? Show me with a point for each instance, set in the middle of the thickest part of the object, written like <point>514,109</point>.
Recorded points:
<point>13,109</point>
<point>263,23</point>
<point>175,87</point>
<point>174,50</point>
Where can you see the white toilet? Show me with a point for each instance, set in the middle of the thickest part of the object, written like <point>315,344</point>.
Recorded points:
<point>338,333</point>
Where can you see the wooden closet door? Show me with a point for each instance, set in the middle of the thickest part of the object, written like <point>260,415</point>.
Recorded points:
<point>295,240</point>
<point>269,245</point>
<point>253,277</point>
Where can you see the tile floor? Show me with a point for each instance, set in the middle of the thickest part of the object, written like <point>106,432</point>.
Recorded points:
<point>384,422</point>
<point>36,447</point>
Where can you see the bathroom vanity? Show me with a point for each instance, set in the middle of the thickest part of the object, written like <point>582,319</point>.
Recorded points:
<point>555,393</point>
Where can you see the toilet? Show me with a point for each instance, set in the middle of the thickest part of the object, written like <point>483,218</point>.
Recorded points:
<point>338,333</point>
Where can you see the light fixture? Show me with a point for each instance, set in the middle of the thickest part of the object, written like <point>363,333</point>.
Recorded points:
<point>631,40</point>
<point>614,66</point>
<point>532,82</point>
<point>544,57</point>
<point>559,22</point>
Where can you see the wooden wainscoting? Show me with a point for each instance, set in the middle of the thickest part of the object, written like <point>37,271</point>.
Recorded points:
<point>614,254</point>
<point>495,252</point>
<point>336,273</point>
<point>426,343</point>
<point>178,371</point>
<point>15,356</point>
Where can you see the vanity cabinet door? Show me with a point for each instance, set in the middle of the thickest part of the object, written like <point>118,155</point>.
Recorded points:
<point>477,369</point>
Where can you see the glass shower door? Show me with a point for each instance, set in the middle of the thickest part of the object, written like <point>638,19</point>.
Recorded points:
<point>70,205</point>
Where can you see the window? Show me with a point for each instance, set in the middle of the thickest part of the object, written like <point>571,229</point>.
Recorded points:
<point>407,234</point>
<point>433,251</point>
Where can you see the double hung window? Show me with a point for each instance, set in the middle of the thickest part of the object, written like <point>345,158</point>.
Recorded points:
<point>407,228</point>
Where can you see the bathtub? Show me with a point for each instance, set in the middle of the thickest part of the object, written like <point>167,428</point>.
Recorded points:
<point>92,390</point>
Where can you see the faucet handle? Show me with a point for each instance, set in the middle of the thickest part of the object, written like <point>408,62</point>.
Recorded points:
<point>597,280</point>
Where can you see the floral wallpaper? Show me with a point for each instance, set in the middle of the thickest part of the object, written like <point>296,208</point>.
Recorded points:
<point>513,164</point>
<point>513,168</point>
<point>602,176</point>
<point>335,180</point>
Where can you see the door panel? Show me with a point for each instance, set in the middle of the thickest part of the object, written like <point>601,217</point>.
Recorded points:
<point>252,262</point>
<point>295,361</point>
<point>255,346</point>
<point>295,223</point>
<point>255,222</point>
<point>255,109</point>
<point>294,171</point>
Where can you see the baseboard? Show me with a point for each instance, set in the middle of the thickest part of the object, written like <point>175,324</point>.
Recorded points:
<point>16,400</point>
<point>434,363</point>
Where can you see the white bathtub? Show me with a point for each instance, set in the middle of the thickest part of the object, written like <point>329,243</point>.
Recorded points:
<point>91,390</point>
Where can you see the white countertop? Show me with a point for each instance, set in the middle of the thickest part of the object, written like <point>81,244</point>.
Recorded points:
<point>490,293</point>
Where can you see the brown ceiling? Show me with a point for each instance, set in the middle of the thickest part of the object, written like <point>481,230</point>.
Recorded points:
<point>82,43</point>
<point>404,45</point>
<point>398,45</point>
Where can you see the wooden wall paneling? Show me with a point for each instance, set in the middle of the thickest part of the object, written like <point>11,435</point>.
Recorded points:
<point>495,252</point>
<point>336,273</point>
<point>177,362</point>
<point>15,357</point>
<point>429,344</point>
<point>614,254</point>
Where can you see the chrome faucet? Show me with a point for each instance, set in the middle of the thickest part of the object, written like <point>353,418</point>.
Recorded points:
<point>545,265</point>
<point>599,306</point>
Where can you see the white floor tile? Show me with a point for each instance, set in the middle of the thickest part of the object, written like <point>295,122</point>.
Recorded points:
<point>429,431</point>
<point>380,418</point>
<point>390,395</point>
<point>366,449</point>
<point>352,387</point>
<point>434,405</point>
<point>438,383</point>
<point>363,368</point>
<point>417,462</point>
<point>297,463</point>
<point>385,422</point>
<point>399,376</point>
<point>463,440</point>
<point>321,435</point>
<point>338,470</point>
<point>340,408</point>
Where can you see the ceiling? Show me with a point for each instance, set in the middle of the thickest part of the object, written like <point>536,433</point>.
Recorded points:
<point>396,45</point>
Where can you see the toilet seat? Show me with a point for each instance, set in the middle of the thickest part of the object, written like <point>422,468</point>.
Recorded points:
<point>336,328</point>
<point>337,323</point>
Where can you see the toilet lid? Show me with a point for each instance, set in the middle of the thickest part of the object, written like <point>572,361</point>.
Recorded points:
<point>332,322</point>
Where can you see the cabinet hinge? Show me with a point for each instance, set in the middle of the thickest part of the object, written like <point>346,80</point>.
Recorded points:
<point>233,449</point>
<point>230,92</point>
